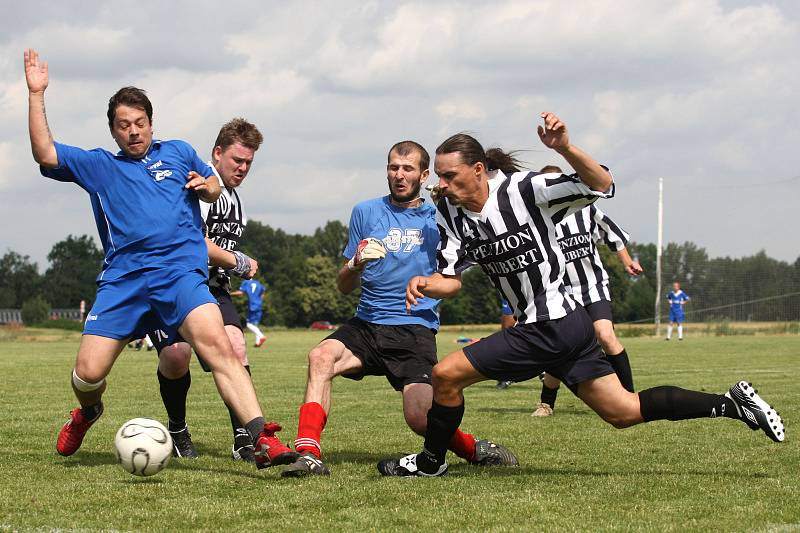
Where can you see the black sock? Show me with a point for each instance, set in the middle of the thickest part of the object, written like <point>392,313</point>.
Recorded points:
<point>622,366</point>
<point>673,403</point>
<point>240,435</point>
<point>173,394</point>
<point>254,428</point>
<point>90,412</point>
<point>443,422</point>
<point>549,396</point>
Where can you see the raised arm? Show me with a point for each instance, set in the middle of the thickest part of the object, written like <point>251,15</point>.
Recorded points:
<point>554,135</point>
<point>37,78</point>
<point>237,262</point>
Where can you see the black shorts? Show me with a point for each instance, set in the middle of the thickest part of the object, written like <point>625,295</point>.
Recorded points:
<point>599,311</point>
<point>405,354</point>
<point>230,317</point>
<point>565,348</point>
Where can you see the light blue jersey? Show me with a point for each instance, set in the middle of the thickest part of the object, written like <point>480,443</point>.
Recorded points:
<point>145,216</point>
<point>676,302</point>
<point>254,290</point>
<point>411,239</point>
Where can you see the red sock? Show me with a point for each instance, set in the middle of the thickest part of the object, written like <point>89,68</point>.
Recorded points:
<point>463,445</point>
<point>309,428</point>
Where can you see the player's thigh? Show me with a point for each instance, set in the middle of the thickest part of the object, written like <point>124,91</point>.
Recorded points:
<point>331,356</point>
<point>609,399</point>
<point>456,370</point>
<point>604,331</point>
<point>203,329</point>
<point>96,356</point>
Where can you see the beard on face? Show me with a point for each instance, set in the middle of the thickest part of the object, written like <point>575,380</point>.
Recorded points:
<point>412,194</point>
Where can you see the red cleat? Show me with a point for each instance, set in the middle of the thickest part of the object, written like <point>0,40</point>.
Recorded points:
<point>260,341</point>
<point>270,451</point>
<point>71,435</point>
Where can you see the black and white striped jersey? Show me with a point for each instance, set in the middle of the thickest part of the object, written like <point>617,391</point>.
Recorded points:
<point>578,235</point>
<point>224,222</point>
<point>513,239</point>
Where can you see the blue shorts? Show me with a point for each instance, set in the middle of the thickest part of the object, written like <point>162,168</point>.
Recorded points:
<point>146,300</point>
<point>676,316</point>
<point>254,317</point>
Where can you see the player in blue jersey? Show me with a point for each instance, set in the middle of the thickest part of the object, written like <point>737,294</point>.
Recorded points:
<point>145,202</point>
<point>507,320</point>
<point>254,291</point>
<point>677,299</point>
<point>392,238</point>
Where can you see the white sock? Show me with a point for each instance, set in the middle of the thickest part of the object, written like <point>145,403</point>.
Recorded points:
<point>254,329</point>
<point>669,331</point>
<point>680,332</point>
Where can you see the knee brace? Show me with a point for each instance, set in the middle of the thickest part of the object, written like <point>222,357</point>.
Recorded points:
<point>85,386</point>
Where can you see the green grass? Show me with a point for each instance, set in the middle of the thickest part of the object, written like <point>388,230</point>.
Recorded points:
<point>577,472</point>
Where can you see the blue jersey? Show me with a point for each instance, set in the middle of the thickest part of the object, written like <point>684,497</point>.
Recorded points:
<point>505,308</point>
<point>144,215</point>
<point>254,290</point>
<point>411,238</point>
<point>676,300</point>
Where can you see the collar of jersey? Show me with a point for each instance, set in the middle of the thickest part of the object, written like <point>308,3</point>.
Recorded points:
<point>153,144</point>
<point>388,201</point>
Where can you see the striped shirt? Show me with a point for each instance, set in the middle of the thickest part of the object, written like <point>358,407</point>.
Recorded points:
<point>586,277</point>
<point>224,222</point>
<point>513,239</point>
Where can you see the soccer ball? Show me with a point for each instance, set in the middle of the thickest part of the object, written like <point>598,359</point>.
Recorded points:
<point>143,446</point>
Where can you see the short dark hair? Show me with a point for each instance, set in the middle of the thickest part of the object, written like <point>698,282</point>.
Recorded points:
<point>550,168</point>
<point>239,131</point>
<point>131,97</point>
<point>472,152</point>
<point>404,148</point>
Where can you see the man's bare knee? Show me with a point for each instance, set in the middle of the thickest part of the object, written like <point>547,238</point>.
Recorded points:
<point>321,362</point>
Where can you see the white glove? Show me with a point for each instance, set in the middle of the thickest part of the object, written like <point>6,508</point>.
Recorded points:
<point>370,249</point>
<point>242,267</point>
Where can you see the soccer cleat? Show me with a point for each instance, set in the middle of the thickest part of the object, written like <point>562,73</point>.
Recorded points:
<point>182,445</point>
<point>260,341</point>
<point>755,412</point>
<point>306,465</point>
<point>270,451</point>
<point>71,435</point>
<point>244,453</point>
<point>487,453</point>
<point>406,467</point>
<point>543,409</point>
<point>502,385</point>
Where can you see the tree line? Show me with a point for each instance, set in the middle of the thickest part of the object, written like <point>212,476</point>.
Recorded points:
<point>299,272</point>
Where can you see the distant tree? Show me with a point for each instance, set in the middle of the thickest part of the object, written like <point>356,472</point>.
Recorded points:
<point>75,263</point>
<point>19,280</point>
<point>330,240</point>
<point>35,311</point>
<point>317,298</point>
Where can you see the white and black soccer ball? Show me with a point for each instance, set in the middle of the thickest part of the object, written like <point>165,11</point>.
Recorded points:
<point>143,446</point>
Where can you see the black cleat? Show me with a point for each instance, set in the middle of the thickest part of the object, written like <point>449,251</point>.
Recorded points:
<point>244,453</point>
<point>182,445</point>
<point>307,464</point>
<point>502,385</point>
<point>407,467</point>
<point>755,412</point>
<point>487,453</point>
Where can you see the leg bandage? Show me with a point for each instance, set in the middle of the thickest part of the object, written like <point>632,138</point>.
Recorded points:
<point>85,386</point>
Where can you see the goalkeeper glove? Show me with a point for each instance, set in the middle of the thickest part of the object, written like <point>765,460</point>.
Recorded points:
<point>242,267</point>
<point>370,249</point>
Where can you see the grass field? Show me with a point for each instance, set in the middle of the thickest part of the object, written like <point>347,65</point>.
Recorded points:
<point>577,473</point>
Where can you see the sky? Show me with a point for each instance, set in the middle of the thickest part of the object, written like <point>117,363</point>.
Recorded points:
<point>701,93</point>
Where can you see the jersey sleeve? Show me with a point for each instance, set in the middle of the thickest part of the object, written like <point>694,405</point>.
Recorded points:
<point>563,194</point>
<point>607,231</point>
<point>452,259</point>
<point>76,165</point>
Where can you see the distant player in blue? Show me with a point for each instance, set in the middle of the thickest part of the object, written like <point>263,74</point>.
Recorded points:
<point>146,205</point>
<point>677,299</point>
<point>507,320</point>
<point>392,239</point>
<point>254,291</point>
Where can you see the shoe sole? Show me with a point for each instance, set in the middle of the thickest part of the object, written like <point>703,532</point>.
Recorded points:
<point>748,400</point>
<point>285,458</point>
